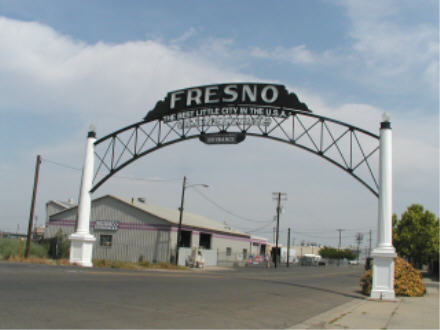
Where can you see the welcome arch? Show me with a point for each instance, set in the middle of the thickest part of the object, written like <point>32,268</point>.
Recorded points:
<point>228,114</point>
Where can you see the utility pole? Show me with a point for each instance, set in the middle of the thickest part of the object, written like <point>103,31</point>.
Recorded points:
<point>288,246</point>
<point>31,216</point>
<point>359,238</point>
<point>340,231</point>
<point>179,230</point>
<point>339,245</point>
<point>277,196</point>
<point>278,228</point>
<point>182,200</point>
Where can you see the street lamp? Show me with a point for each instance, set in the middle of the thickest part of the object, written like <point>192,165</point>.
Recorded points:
<point>179,230</point>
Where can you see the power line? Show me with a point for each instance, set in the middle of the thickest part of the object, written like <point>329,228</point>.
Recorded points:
<point>61,164</point>
<point>363,229</point>
<point>115,176</point>
<point>12,216</point>
<point>142,179</point>
<point>316,236</point>
<point>229,212</point>
<point>257,229</point>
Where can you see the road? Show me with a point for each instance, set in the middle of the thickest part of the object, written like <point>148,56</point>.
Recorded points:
<point>44,296</point>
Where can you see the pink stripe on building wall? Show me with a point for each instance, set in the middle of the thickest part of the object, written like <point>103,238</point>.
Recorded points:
<point>68,223</point>
<point>172,228</point>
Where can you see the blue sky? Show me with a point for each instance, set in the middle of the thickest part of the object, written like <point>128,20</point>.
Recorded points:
<point>66,64</point>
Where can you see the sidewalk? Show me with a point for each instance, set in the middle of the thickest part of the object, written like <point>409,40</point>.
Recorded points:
<point>404,313</point>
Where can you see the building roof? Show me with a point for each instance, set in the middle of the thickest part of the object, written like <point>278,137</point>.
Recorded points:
<point>172,216</point>
<point>65,205</point>
<point>189,219</point>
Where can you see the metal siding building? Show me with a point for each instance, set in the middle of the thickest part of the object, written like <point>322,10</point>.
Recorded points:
<point>130,230</point>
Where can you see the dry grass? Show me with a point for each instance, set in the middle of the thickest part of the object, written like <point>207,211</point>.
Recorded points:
<point>38,260</point>
<point>32,260</point>
<point>98,263</point>
<point>167,265</point>
<point>137,266</point>
<point>63,262</point>
<point>115,264</point>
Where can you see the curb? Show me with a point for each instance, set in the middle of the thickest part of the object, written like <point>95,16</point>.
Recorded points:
<point>329,317</point>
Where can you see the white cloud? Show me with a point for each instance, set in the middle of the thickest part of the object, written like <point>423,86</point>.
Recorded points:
<point>391,49</point>
<point>297,55</point>
<point>191,32</point>
<point>93,80</point>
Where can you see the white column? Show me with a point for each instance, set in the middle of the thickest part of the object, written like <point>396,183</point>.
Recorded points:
<point>82,241</point>
<point>384,253</point>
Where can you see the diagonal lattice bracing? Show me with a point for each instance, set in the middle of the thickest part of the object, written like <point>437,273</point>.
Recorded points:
<point>350,148</point>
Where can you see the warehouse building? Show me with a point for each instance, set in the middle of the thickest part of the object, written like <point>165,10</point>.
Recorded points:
<point>133,230</point>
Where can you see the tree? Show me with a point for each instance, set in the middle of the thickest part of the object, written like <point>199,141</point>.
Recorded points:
<point>416,236</point>
<point>329,253</point>
<point>332,253</point>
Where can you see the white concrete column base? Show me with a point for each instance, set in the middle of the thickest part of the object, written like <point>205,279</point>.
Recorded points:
<point>81,249</point>
<point>383,274</point>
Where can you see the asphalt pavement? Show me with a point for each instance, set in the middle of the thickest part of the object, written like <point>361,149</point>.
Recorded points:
<point>44,296</point>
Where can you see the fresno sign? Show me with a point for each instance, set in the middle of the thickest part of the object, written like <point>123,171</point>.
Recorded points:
<point>229,93</point>
<point>234,99</point>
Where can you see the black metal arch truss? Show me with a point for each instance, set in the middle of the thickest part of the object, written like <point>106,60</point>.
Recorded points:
<point>350,148</point>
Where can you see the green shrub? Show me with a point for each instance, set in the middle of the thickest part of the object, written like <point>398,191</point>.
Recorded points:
<point>366,282</point>
<point>407,280</point>
<point>8,247</point>
<point>63,245</point>
<point>38,250</point>
<point>15,247</point>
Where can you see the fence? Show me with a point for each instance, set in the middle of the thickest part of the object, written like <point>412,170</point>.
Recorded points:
<point>232,259</point>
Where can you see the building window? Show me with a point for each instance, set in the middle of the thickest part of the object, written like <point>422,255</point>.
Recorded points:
<point>228,251</point>
<point>245,254</point>
<point>185,238</point>
<point>105,240</point>
<point>205,241</point>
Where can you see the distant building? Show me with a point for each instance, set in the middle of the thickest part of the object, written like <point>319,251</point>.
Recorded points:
<point>133,230</point>
<point>302,250</point>
<point>4,234</point>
